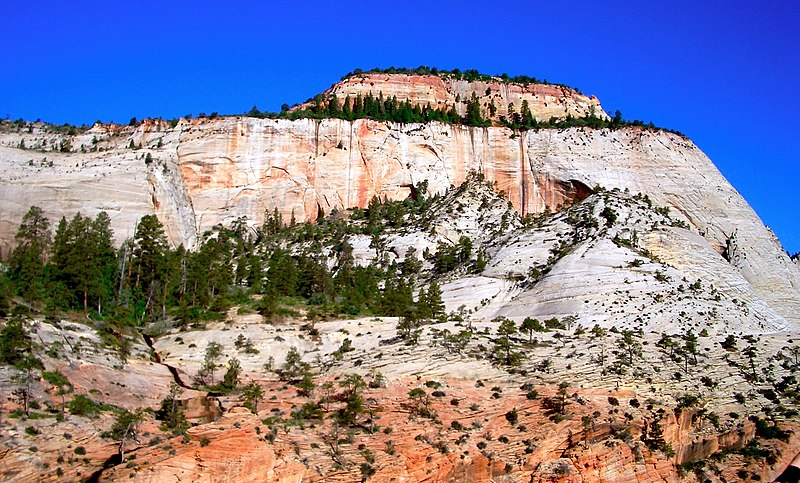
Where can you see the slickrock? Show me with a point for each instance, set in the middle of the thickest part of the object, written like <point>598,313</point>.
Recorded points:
<point>204,172</point>
<point>621,314</point>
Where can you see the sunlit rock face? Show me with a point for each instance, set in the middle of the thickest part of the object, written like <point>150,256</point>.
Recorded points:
<point>203,172</point>
<point>496,98</point>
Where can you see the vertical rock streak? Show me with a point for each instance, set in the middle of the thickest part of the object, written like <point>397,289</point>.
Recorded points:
<point>221,173</point>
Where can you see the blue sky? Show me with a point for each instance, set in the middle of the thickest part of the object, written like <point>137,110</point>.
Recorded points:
<point>726,73</point>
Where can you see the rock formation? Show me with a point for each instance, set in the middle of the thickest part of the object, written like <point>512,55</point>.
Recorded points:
<point>205,172</point>
<point>669,348</point>
<point>544,100</point>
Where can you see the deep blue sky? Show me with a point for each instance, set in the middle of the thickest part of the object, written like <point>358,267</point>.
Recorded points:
<point>726,73</point>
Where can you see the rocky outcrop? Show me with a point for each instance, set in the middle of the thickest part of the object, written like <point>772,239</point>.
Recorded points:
<point>204,172</point>
<point>486,424</point>
<point>496,97</point>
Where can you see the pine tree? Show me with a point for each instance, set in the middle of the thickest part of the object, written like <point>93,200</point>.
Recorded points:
<point>430,305</point>
<point>28,258</point>
<point>333,107</point>
<point>358,107</point>
<point>473,117</point>
<point>398,299</point>
<point>530,326</point>
<point>150,249</point>
<point>5,294</point>
<point>293,365</point>
<point>527,120</point>
<point>103,258</point>
<point>83,258</point>
<point>503,344</point>
<point>252,393</point>
<point>231,378</point>
<point>205,376</point>
<point>347,112</point>
<point>149,268</point>
<point>171,411</point>
<point>126,427</point>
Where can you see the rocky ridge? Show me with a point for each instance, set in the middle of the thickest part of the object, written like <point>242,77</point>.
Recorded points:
<point>544,100</point>
<point>667,341</point>
<point>581,403</point>
<point>205,172</point>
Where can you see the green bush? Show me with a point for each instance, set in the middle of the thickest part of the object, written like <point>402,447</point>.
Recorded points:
<point>83,406</point>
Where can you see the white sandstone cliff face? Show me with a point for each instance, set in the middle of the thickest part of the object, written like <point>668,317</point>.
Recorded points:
<point>205,172</point>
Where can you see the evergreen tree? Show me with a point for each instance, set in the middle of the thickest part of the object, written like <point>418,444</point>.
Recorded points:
<point>398,298</point>
<point>629,347</point>
<point>358,107</point>
<point>464,249</point>
<point>511,116</point>
<point>252,393</point>
<point>61,384</point>
<point>480,262</point>
<point>473,117</point>
<point>347,112</point>
<point>527,120</point>
<point>354,401</point>
<point>205,376</point>
<point>83,258</point>
<point>171,411</point>
<point>26,365</point>
<point>14,342</point>
<point>530,326</point>
<point>103,258</point>
<point>149,265</point>
<point>293,365</point>
<point>504,347</point>
<point>6,292</point>
<point>126,427</point>
<point>214,256</point>
<point>231,378</point>
<point>430,305</point>
<point>314,278</point>
<point>333,107</point>
<point>149,252</point>
<point>283,273</point>
<point>29,256</point>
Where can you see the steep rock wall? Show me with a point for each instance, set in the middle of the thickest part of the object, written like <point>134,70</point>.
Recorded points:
<point>204,172</point>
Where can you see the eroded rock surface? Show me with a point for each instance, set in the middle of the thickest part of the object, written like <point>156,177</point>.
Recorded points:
<point>204,172</point>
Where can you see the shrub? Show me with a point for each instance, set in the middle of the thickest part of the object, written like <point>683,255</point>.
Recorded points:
<point>367,470</point>
<point>512,417</point>
<point>83,406</point>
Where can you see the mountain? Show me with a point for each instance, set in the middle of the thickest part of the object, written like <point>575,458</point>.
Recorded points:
<point>460,300</point>
<point>494,95</point>
<point>204,172</point>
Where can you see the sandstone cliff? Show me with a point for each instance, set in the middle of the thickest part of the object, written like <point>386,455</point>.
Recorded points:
<point>496,97</point>
<point>204,172</point>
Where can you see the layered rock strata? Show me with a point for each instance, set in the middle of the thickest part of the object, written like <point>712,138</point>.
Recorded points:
<point>202,172</point>
<point>496,98</point>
